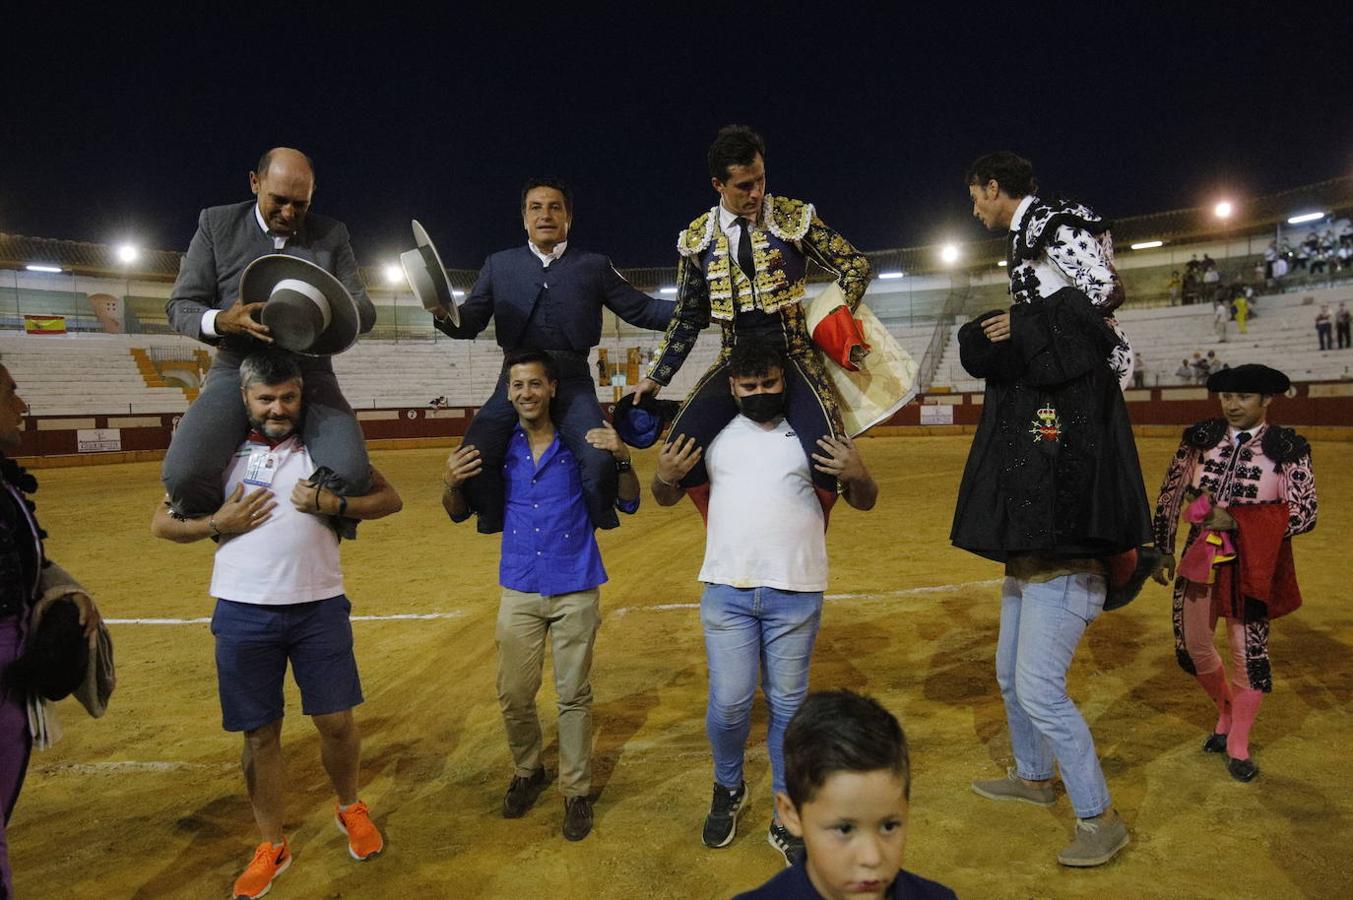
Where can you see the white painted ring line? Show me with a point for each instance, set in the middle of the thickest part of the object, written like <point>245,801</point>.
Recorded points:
<point>393,617</point>
<point>617,613</point>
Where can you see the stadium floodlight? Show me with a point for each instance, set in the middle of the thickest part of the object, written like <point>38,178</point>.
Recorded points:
<point>891,275</point>
<point>1305,217</point>
<point>1003,263</point>
<point>393,273</point>
<point>34,267</point>
<point>1223,209</point>
<point>949,253</point>
<point>667,290</point>
<point>1147,245</point>
<point>128,254</point>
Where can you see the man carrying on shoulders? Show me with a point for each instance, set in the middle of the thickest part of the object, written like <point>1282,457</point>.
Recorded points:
<point>280,599</point>
<point>550,571</point>
<point>765,570</point>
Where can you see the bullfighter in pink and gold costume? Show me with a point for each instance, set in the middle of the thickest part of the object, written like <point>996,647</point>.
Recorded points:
<point>1249,489</point>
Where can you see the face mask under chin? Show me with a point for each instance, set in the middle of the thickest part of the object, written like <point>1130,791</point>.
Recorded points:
<point>762,407</point>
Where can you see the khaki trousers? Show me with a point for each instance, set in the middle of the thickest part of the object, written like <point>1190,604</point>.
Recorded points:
<point>571,621</point>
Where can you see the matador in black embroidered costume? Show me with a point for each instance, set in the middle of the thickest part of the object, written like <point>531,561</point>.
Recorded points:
<point>744,264</point>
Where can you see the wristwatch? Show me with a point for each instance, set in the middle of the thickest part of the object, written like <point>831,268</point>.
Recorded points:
<point>623,465</point>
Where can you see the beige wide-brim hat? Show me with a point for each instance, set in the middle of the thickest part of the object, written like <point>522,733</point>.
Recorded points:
<point>307,310</point>
<point>427,276</point>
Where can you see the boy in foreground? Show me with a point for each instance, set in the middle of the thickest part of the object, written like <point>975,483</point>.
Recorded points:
<point>849,787</point>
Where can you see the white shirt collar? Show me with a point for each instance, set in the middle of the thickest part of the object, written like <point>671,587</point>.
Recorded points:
<point>1020,211</point>
<point>278,240</point>
<point>726,219</point>
<point>1232,432</point>
<point>547,258</point>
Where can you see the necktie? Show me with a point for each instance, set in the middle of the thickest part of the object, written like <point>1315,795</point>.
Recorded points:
<point>745,250</point>
<point>1242,438</point>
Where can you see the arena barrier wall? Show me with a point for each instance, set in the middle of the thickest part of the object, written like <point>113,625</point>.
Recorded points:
<point>1324,409</point>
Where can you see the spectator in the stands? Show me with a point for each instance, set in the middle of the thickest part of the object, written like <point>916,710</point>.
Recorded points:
<point>1270,257</point>
<point>1241,308</point>
<point>1173,287</point>
<point>1200,367</point>
<point>1221,313</point>
<point>1185,372</point>
<point>1213,364</point>
<point>1341,325</point>
<point>1138,369</point>
<point>1301,257</point>
<point>1324,325</point>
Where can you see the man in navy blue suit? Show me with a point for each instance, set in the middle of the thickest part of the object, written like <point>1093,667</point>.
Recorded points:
<point>547,296</point>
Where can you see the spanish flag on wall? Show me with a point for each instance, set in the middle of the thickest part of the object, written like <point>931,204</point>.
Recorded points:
<point>44,324</point>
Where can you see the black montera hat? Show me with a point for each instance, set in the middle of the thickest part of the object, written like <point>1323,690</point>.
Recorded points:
<point>1251,378</point>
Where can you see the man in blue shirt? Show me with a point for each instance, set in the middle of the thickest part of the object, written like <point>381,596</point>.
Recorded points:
<point>550,571</point>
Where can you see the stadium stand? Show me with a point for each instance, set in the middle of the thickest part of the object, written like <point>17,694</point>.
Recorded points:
<point>1282,335</point>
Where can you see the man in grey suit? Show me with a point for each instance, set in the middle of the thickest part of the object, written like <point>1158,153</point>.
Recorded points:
<point>206,305</point>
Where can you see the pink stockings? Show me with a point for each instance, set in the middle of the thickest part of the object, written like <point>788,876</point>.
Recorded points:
<point>1237,702</point>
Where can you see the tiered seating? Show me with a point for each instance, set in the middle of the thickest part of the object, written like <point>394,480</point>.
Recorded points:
<point>91,374</point>
<point>85,374</point>
<point>1282,335</point>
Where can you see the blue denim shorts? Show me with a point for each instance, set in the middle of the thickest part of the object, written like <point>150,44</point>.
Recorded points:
<point>253,645</point>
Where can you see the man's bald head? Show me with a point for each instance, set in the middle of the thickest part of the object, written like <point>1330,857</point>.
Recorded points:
<point>284,182</point>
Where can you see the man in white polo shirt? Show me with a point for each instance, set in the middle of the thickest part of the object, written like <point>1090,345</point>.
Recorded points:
<point>279,590</point>
<point>765,570</point>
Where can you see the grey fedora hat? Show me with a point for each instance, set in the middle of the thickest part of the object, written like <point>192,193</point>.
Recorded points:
<point>307,309</point>
<point>427,276</point>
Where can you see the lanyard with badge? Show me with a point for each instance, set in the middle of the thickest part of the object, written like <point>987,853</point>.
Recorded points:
<point>262,467</point>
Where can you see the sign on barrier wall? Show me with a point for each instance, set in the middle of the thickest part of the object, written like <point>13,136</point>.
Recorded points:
<point>937,415</point>
<point>98,440</point>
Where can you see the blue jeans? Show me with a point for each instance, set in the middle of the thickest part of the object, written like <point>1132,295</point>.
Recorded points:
<point>746,630</point>
<point>1041,624</point>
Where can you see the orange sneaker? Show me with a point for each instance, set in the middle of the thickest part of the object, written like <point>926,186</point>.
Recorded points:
<point>270,860</point>
<point>364,839</point>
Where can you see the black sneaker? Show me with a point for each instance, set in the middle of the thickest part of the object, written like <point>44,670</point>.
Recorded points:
<point>577,818</point>
<point>722,822</point>
<point>522,793</point>
<point>790,847</point>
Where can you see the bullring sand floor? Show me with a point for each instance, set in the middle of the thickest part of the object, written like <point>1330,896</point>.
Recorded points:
<point>149,801</point>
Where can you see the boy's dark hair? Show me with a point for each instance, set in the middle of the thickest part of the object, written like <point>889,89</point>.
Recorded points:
<point>841,731</point>
<point>1013,173</point>
<point>268,367</point>
<point>752,358</point>
<point>526,357</point>
<point>546,182</point>
<point>734,145</point>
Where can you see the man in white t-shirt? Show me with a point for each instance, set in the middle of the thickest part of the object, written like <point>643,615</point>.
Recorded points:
<point>279,590</point>
<point>765,570</point>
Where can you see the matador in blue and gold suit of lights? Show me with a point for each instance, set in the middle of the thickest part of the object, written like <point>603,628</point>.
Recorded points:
<point>762,304</point>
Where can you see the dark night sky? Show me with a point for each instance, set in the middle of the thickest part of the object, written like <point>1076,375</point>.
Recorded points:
<point>126,124</point>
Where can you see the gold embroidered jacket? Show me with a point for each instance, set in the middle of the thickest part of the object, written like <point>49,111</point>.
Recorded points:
<point>710,284</point>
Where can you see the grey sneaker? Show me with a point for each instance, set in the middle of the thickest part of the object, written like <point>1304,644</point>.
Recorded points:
<point>1012,787</point>
<point>1097,841</point>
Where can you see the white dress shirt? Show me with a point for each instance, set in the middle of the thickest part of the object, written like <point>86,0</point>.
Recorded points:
<point>547,258</point>
<point>728,225</point>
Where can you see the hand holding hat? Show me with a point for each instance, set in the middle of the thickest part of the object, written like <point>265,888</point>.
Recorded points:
<point>307,310</point>
<point>427,276</point>
<point>238,318</point>
<point>641,419</point>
